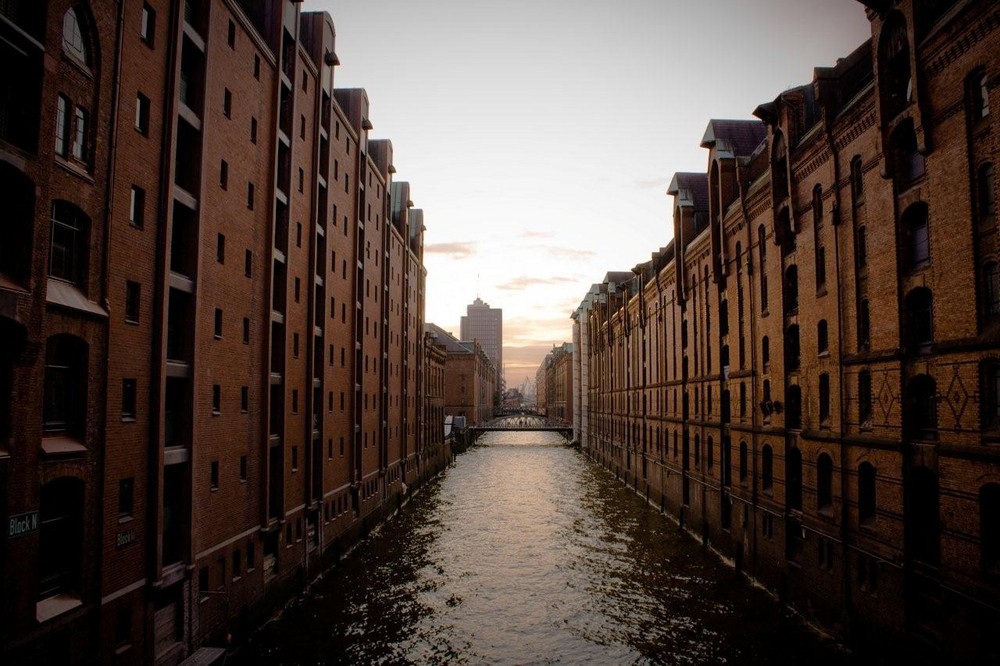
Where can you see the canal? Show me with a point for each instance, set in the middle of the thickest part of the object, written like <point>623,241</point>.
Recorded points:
<point>526,552</point>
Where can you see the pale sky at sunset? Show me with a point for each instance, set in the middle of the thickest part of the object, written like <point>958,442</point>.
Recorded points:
<point>539,136</point>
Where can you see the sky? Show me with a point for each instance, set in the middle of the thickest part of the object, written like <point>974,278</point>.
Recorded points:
<point>539,136</point>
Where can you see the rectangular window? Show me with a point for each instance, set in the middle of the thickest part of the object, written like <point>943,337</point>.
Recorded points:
<point>295,345</point>
<point>302,125</point>
<point>253,130</point>
<point>123,626</point>
<point>298,231</point>
<point>218,322</point>
<point>243,477</point>
<point>203,579</point>
<point>80,134</point>
<point>142,114</point>
<point>128,399</point>
<point>250,196</point>
<point>62,125</point>
<point>231,37</point>
<point>224,175</point>
<point>820,268</point>
<point>126,498</point>
<point>244,399</point>
<point>216,399</point>
<point>248,263</point>
<point>256,67</point>
<point>214,475</point>
<point>246,330</point>
<point>147,25</point>
<point>295,458</point>
<point>295,401</point>
<point>227,103</point>
<point>137,207</point>
<point>133,294</point>
<point>220,248</point>
<point>302,179</point>
<point>298,289</point>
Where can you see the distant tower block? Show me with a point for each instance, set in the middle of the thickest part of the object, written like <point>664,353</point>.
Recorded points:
<point>485,324</point>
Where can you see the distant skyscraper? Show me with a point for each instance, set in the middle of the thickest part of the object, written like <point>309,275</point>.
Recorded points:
<point>485,324</point>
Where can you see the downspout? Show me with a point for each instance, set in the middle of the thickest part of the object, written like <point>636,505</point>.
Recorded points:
<point>844,516</point>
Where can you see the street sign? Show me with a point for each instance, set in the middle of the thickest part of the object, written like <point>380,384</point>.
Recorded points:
<point>22,524</point>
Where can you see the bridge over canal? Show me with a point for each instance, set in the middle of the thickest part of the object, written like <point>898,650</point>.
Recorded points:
<point>523,423</point>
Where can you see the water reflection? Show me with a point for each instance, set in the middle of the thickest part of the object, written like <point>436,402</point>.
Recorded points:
<point>526,552</point>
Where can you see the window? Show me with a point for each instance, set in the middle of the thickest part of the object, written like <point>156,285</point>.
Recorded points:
<point>766,469</point>
<point>791,288</point>
<point>295,345</point>
<point>866,493</point>
<point>147,25</point>
<point>824,483</point>
<point>824,399</point>
<point>216,399</point>
<point>62,125</point>
<point>298,289</point>
<point>817,205</point>
<point>302,124</point>
<point>126,498</point>
<point>123,626</point>
<point>295,401</point>
<point>60,537</point>
<point>80,134</point>
<point>793,479</point>
<point>246,330</point>
<point>142,114</point>
<point>220,248</point>
<point>224,175</point>
<point>793,354</point>
<point>256,67</point>
<point>765,351</point>
<point>128,399</point>
<point>250,196</point>
<point>227,103</point>
<point>989,524</point>
<point>922,516</point>
<point>919,319</point>
<point>857,181</point>
<point>986,194</point>
<point>237,563</point>
<point>218,323</point>
<point>917,235</point>
<point>231,36</point>
<point>137,207</point>
<point>894,65</point>
<point>820,268</point>
<point>73,41</point>
<point>906,158</point>
<point>822,336</point>
<point>214,475</point>
<point>921,407</point>
<point>298,232</point>
<point>743,462</point>
<point>991,288</point>
<point>244,399</point>
<point>253,130</point>
<point>979,96</point>
<point>133,293</point>
<point>302,179</point>
<point>64,406</point>
<point>243,478</point>
<point>864,325</point>
<point>861,251</point>
<point>865,398</point>
<point>724,317</point>
<point>295,458</point>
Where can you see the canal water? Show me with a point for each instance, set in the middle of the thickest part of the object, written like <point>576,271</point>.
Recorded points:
<point>526,552</point>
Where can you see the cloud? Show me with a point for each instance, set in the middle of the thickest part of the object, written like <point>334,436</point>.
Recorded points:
<point>535,234</point>
<point>454,250</point>
<point>568,252</point>
<point>525,281</point>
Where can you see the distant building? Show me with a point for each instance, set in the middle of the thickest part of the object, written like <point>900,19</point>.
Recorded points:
<point>485,325</point>
<point>469,377</point>
<point>555,383</point>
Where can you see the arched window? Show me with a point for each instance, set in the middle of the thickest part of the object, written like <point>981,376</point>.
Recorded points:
<point>916,231</point>
<point>64,407</point>
<point>919,320</point>
<point>989,524</point>
<point>865,398</point>
<point>978,96</point>
<point>762,251</point>
<point>822,336</point>
<point>60,537</point>
<point>785,232</point>
<point>991,288</point>
<point>70,242</point>
<point>857,180</point>
<point>793,406</point>
<point>866,493</point>
<point>743,462</point>
<point>986,195</point>
<point>793,479</point>
<point>922,407</point>
<point>766,468</point>
<point>824,482</point>
<point>817,205</point>
<point>74,41</point>
<point>922,516</point>
<point>17,193</point>
<point>908,163</point>
<point>791,288</point>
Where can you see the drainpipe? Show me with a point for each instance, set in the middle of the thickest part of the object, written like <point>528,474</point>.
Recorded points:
<point>844,515</point>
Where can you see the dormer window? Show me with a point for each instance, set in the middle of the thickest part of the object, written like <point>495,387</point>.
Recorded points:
<point>73,41</point>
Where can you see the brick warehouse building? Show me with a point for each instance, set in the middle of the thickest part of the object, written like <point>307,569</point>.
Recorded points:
<point>806,376</point>
<point>212,292</point>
